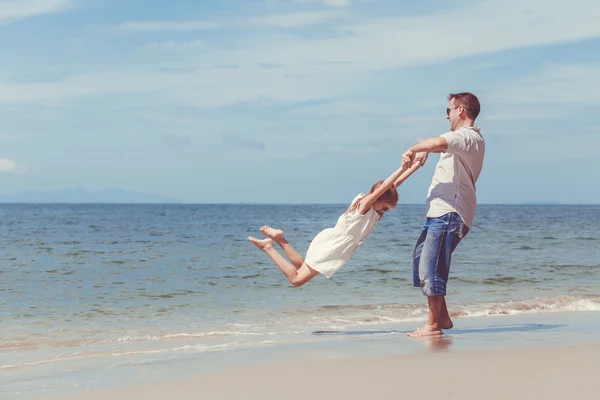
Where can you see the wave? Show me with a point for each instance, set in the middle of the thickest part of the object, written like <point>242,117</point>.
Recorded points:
<point>572,266</point>
<point>293,322</point>
<point>526,248</point>
<point>20,346</point>
<point>504,280</point>
<point>112,354</point>
<point>574,303</point>
<point>411,312</point>
<point>274,329</point>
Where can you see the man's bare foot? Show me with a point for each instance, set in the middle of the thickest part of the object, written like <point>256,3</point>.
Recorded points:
<point>275,234</point>
<point>264,244</point>
<point>427,330</point>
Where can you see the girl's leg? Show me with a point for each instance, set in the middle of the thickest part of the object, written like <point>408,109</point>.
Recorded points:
<point>297,277</point>
<point>290,252</point>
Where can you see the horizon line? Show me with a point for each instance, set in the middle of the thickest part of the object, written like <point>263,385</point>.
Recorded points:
<point>542,203</point>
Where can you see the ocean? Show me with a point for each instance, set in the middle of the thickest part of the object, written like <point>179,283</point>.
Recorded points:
<point>86,288</point>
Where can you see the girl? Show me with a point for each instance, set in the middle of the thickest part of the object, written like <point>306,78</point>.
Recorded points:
<point>333,247</point>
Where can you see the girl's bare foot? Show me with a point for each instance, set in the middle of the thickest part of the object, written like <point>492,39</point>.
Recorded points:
<point>264,244</point>
<point>275,234</point>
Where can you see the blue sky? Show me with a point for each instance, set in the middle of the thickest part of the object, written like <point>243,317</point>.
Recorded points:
<point>295,101</point>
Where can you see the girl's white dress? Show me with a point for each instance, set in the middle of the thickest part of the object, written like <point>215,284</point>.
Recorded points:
<point>333,247</point>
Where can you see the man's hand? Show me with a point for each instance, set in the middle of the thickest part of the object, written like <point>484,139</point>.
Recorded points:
<point>408,158</point>
<point>421,157</point>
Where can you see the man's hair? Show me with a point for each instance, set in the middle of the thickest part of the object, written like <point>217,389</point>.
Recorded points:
<point>468,101</point>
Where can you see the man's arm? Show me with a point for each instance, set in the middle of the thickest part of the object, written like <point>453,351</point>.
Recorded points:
<point>430,145</point>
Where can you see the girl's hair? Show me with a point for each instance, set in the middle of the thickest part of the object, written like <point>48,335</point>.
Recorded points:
<point>389,197</point>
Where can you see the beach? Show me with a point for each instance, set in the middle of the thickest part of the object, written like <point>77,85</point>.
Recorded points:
<point>104,301</point>
<point>264,199</point>
<point>502,357</point>
<point>533,373</point>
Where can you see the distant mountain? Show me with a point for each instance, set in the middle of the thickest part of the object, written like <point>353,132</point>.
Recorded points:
<point>85,196</point>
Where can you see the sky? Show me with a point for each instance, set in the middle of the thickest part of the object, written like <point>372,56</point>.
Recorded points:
<point>295,101</point>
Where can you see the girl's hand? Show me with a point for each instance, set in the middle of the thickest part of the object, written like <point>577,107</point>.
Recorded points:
<point>406,161</point>
<point>409,156</point>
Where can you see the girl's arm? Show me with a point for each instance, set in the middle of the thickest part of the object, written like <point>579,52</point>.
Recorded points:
<point>406,174</point>
<point>399,175</point>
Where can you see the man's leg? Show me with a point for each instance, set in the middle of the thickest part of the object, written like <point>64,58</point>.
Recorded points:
<point>438,314</point>
<point>424,256</point>
<point>431,267</point>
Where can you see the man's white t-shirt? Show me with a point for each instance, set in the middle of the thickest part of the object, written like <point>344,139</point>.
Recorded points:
<point>453,185</point>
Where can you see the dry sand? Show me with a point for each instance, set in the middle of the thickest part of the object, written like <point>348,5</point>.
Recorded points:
<point>520,373</point>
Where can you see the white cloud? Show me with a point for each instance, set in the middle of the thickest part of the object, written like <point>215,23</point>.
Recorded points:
<point>295,20</point>
<point>232,140</point>
<point>173,45</point>
<point>202,87</point>
<point>7,165</point>
<point>386,43</point>
<point>169,25</point>
<point>16,9</point>
<point>402,41</point>
<point>321,69</point>
<point>176,140</point>
<point>345,107</point>
<point>509,111</point>
<point>554,84</point>
<point>331,3</point>
<point>73,86</point>
<point>284,20</point>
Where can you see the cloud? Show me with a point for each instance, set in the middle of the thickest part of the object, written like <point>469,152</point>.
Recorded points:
<point>387,43</point>
<point>176,141</point>
<point>7,165</point>
<point>553,84</point>
<point>331,68</point>
<point>508,112</point>
<point>74,86</point>
<point>283,21</point>
<point>17,9</point>
<point>357,148</point>
<point>173,45</point>
<point>236,141</point>
<point>345,107</point>
<point>169,25</point>
<point>294,20</point>
<point>330,3</point>
<point>216,86</point>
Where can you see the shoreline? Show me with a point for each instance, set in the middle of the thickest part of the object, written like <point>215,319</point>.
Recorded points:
<point>524,336</point>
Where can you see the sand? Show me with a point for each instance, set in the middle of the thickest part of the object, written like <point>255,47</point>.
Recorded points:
<point>544,372</point>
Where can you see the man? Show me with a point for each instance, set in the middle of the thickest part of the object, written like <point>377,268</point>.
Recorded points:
<point>450,205</point>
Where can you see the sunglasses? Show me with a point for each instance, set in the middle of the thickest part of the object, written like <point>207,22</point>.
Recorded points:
<point>448,109</point>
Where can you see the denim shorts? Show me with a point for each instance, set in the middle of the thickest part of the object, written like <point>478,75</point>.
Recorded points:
<point>432,254</point>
